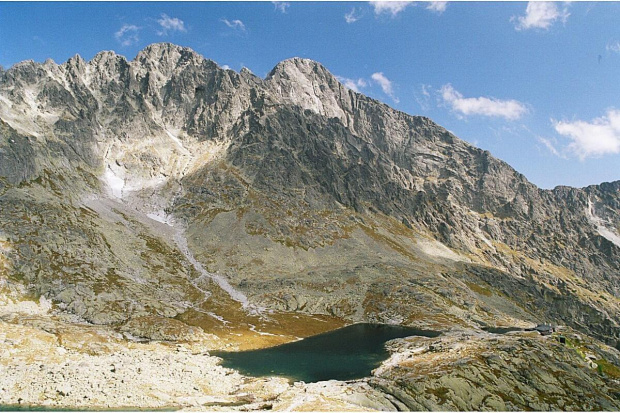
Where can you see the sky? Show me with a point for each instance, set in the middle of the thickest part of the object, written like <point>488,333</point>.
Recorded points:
<point>537,84</point>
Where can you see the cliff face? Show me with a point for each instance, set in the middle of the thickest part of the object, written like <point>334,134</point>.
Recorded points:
<point>169,186</point>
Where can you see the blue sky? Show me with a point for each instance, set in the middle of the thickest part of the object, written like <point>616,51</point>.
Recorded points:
<point>536,84</point>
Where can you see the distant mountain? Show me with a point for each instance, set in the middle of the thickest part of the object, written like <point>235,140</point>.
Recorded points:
<point>171,190</point>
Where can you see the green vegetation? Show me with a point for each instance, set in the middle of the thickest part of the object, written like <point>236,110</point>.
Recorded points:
<point>606,368</point>
<point>479,289</point>
<point>603,366</point>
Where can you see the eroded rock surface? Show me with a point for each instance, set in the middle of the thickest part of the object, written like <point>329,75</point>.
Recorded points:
<point>165,198</point>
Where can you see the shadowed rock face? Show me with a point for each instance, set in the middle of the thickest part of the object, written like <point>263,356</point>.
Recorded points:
<point>306,196</point>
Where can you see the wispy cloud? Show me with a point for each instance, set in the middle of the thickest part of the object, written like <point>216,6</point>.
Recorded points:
<point>352,16</point>
<point>170,24</point>
<point>437,6</point>
<point>234,24</point>
<point>39,40</point>
<point>540,15</point>
<point>613,46</point>
<point>386,85</point>
<point>600,136</point>
<point>483,106</point>
<point>423,96</point>
<point>281,6</point>
<point>127,35</point>
<point>353,84</point>
<point>390,7</point>
<point>551,144</point>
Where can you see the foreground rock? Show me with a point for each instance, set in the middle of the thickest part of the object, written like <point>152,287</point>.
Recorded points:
<point>50,359</point>
<point>48,362</point>
<point>516,371</point>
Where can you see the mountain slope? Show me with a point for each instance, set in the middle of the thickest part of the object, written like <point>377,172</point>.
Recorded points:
<point>289,193</point>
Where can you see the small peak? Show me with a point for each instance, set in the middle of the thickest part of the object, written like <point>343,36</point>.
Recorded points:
<point>76,62</point>
<point>247,74</point>
<point>107,59</point>
<point>298,64</point>
<point>166,57</point>
<point>104,55</point>
<point>24,64</point>
<point>25,69</point>
<point>163,50</point>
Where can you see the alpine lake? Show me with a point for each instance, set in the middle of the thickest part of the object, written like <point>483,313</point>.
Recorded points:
<point>347,353</point>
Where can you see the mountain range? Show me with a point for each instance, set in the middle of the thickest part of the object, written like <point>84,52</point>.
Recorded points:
<point>167,198</point>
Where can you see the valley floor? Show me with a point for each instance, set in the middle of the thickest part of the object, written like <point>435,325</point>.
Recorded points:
<point>52,360</point>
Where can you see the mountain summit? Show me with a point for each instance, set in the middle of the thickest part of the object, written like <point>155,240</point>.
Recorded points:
<point>169,198</point>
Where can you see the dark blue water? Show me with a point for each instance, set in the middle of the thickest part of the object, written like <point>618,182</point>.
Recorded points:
<point>344,354</point>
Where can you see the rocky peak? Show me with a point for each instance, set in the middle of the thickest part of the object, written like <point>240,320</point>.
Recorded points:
<point>25,71</point>
<point>166,57</point>
<point>306,83</point>
<point>105,66</point>
<point>293,67</point>
<point>157,50</point>
<point>105,56</point>
<point>75,64</point>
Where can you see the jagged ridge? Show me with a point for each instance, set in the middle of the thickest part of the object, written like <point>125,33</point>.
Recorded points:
<point>299,163</point>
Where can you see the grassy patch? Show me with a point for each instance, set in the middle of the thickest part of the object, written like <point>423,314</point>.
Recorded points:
<point>478,289</point>
<point>608,369</point>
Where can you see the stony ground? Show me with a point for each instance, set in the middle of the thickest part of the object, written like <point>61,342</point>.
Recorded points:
<point>516,371</point>
<point>51,359</point>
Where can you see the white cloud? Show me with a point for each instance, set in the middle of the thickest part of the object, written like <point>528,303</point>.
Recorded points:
<point>540,15</point>
<point>437,6</point>
<point>508,109</point>
<point>170,24</point>
<point>234,24</point>
<point>550,144</point>
<point>598,137</point>
<point>423,96</point>
<point>352,84</point>
<point>127,35</point>
<point>425,90</point>
<point>352,16</point>
<point>613,46</point>
<point>225,67</point>
<point>281,5</point>
<point>386,85</point>
<point>390,7</point>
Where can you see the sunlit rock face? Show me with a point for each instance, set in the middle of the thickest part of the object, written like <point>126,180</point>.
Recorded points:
<point>168,191</point>
<point>283,185</point>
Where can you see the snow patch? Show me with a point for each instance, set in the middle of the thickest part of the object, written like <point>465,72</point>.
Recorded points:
<point>160,216</point>
<point>138,184</point>
<point>599,223</point>
<point>177,141</point>
<point>115,183</point>
<point>437,249</point>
